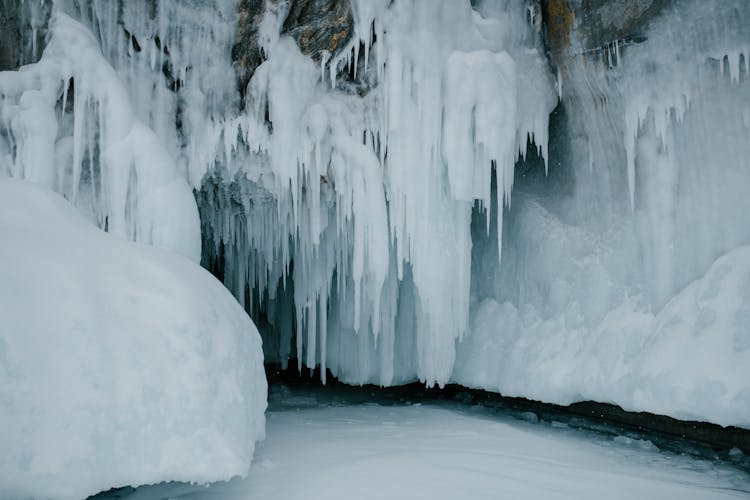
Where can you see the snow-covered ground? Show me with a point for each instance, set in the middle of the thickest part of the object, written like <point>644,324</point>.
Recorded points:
<point>318,447</point>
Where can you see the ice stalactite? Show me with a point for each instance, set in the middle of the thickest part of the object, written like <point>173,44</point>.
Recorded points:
<point>345,202</point>
<point>373,194</point>
<point>99,156</point>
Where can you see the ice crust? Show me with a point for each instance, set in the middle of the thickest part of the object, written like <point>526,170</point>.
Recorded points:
<point>689,360</point>
<point>120,364</point>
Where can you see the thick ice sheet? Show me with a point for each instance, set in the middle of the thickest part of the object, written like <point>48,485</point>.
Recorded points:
<point>441,452</point>
<point>120,364</point>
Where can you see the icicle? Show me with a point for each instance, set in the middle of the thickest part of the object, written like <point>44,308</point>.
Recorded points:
<point>64,98</point>
<point>323,316</point>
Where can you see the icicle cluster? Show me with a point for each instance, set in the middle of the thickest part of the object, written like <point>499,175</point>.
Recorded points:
<point>662,109</point>
<point>97,154</point>
<point>372,196</point>
<point>347,217</point>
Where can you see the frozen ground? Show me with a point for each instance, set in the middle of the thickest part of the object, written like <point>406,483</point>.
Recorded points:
<point>321,447</point>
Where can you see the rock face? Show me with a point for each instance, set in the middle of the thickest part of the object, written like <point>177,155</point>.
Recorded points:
<point>320,26</point>
<point>10,37</point>
<point>247,53</point>
<point>575,26</point>
<point>22,32</point>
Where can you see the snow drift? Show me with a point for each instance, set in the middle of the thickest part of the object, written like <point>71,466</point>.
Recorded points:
<point>120,364</point>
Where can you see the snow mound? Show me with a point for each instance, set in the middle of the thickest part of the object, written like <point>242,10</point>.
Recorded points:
<point>120,364</point>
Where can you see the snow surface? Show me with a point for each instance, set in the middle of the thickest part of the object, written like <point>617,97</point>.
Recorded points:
<point>120,364</point>
<point>372,194</point>
<point>319,450</point>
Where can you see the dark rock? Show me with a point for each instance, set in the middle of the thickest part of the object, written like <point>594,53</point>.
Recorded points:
<point>576,26</point>
<point>21,33</point>
<point>247,52</point>
<point>10,36</point>
<point>320,26</point>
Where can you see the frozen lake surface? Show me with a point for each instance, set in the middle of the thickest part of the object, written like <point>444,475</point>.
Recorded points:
<point>321,447</point>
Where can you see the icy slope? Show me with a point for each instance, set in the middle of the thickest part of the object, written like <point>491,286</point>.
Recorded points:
<point>120,364</point>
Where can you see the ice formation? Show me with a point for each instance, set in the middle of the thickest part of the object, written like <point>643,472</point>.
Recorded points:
<point>622,273</point>
<point>373,194</point>
<point>358,198</point>
<point>387,225</point>
<point>100,156</point>
<point>120,364</point>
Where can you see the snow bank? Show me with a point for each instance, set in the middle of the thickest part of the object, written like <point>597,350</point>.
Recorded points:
<point>120,364</point>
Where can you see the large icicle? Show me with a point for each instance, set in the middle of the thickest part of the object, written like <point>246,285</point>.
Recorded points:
<point>375,193</point>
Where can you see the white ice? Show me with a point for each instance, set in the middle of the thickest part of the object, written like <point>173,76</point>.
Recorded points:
<point>120,364</point>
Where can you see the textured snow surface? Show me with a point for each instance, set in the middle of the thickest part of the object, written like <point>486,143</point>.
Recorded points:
<point>119,363</point>
<point>440,451</point>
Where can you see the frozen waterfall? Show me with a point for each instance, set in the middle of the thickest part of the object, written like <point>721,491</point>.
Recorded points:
<point>398,206</point>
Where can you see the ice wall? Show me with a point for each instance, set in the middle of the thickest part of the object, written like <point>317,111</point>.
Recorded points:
<point>373,211</point>
<point>597,296</point>
<point>345,202</point>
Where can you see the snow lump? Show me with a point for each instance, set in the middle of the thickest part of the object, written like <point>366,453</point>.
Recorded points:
<point>120,364</point>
